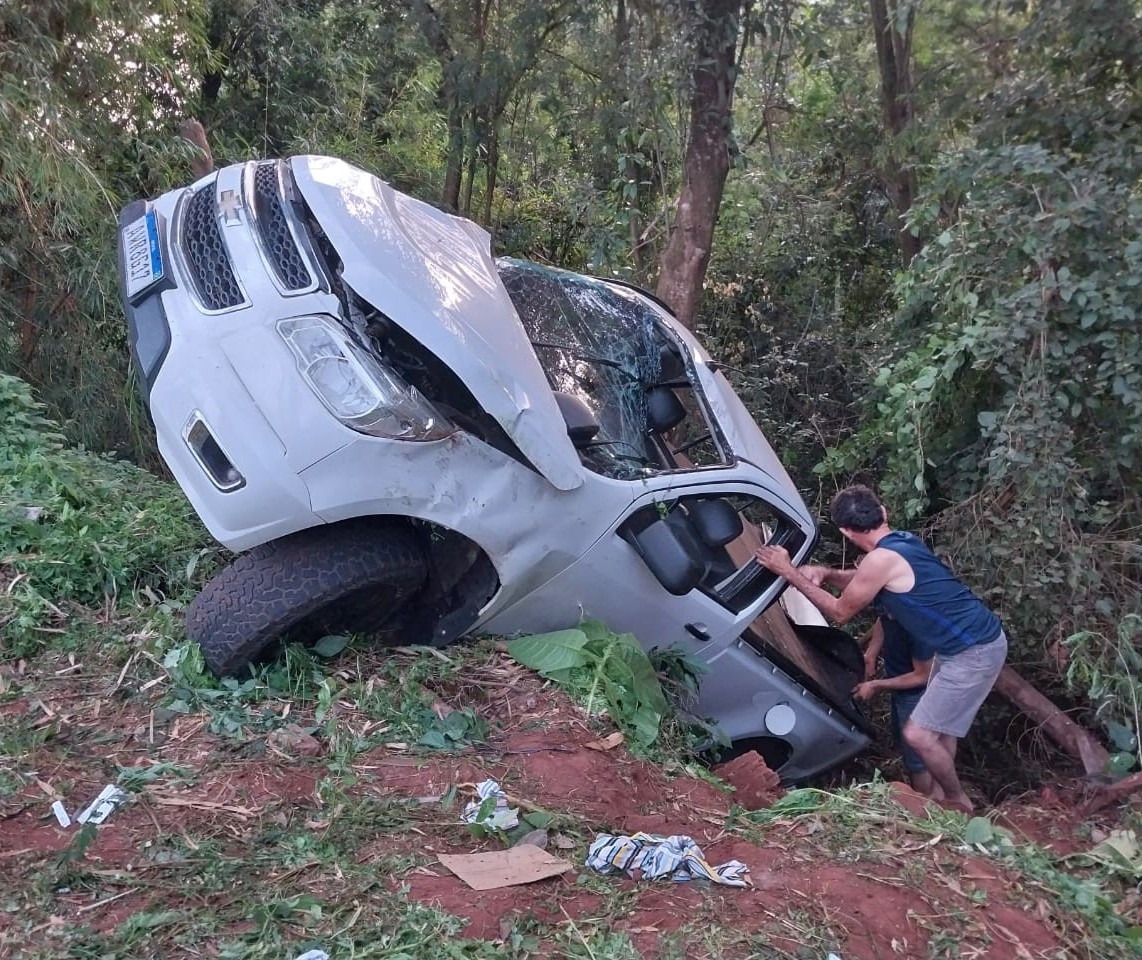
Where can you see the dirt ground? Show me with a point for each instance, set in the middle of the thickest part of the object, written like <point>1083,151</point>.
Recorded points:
<point>870,885</point>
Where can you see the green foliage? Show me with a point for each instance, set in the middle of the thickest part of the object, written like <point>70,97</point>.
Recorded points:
<point>91,99</point>
<point>604,670</point>
<point>1108,671</point>
<point>453,731</point>
<point>1012,409</point>
<point>78,528</point>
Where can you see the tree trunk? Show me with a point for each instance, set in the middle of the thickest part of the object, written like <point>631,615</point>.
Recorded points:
<point>682,267</point>
<point>1112,794</point>
<point>894,60</point>
<point>493,169</point>
<point>432,26</point>
<point>471,154</point>
<point>1057,725</point>
<point>453,165</point>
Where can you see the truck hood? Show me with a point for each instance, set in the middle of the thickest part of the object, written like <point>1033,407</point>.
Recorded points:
<point>434,276</point>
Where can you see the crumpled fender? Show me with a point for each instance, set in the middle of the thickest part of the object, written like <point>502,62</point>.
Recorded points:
<point>433,275</point>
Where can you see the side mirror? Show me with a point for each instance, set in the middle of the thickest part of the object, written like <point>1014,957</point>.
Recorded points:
<point>582,425</point>
<point>664,411</point>
<point>716,521</point>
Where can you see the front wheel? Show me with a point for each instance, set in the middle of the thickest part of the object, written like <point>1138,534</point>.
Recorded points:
<point>347,577</point>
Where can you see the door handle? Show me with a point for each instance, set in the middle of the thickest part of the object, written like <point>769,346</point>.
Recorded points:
<point>698,631</point>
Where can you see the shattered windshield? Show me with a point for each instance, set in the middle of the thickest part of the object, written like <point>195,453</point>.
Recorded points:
<point>603,345</point>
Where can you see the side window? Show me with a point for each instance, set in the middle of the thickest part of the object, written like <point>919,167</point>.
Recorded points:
<point>707,543</point>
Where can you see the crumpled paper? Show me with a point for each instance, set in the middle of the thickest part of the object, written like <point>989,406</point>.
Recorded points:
<point>498,817</point>
<point>677,857</point>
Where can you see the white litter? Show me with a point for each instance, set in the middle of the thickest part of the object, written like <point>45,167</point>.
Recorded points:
<point>313,955</point>
<point>61,814</point>
<point>104,805</point>
<point>495,817</point>
<point>677,857</point>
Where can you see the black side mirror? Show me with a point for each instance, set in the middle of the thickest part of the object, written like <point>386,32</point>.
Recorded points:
<point>582,425</point>
<point>664,411</point>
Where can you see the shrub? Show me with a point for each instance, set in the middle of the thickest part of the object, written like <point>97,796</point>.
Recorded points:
<point>76,527</point>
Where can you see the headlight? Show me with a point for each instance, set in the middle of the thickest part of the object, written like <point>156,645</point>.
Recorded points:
<point>356,387</point>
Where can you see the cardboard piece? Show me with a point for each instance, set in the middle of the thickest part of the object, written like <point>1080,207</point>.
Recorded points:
<point>607,743</point>
<point>504,868</point>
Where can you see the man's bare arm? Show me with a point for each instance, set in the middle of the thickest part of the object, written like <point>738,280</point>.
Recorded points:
<point>872,651</point>
<point>921,670</point>
<point>839,578</point>
<point>865,583</point>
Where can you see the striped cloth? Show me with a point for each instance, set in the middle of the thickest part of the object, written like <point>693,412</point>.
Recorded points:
<point>678,858</point>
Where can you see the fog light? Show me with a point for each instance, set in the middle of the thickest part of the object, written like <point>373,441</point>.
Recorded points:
<point>210,456</point>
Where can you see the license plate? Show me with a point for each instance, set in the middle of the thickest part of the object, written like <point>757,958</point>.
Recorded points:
<point>142,257</point>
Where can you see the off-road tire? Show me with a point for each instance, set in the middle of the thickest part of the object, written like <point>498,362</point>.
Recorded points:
<point>347,577</point>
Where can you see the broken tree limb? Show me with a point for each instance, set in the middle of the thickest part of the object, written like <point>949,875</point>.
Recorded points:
<point>1111,794</point>
<point>1067,734</point>
<point>195,134</point>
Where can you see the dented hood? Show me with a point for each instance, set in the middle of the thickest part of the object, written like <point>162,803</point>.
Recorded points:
<point>433,275</point>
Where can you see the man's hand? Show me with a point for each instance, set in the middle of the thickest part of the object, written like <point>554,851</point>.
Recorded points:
<point>866,690</point>
<point>815,574</point>
<point>775,559</point>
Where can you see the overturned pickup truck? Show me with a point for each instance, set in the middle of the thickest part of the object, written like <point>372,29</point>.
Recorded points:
<point>404,436</point>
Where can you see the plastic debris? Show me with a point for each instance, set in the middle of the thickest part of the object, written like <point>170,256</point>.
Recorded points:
<point>497,816</point>
<point>313,955</point>
<point>104,805</point>
<point>61,814</point>
<point>677,857</point>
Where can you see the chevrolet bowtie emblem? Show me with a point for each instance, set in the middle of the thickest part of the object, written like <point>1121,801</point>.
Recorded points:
<point>230,203</point>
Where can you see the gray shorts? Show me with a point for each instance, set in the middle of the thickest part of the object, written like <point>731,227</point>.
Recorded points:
<point>958,686</point>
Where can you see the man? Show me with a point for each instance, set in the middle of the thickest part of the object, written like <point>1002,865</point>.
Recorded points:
<point>951,629</point>
<point>906,678</point>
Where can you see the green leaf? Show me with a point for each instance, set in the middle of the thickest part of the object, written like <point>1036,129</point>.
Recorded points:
<point>978,830</point>
<point>1122,736</point>
<point>1120,764</point>
<point>434,740</point>
<point>602,669</point>
<point>547,652</point>
<point>331,645</point>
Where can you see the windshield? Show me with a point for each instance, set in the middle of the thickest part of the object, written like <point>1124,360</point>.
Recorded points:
<point>604,345</point>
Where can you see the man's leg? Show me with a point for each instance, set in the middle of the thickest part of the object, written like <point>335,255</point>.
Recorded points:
<point>903,703</point>
<point>940,759</point>
<point>956,689</point>
<point>922,782</point>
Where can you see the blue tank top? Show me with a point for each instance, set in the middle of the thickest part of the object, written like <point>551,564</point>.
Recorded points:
<point>939,613</point>
<point>897,651</point>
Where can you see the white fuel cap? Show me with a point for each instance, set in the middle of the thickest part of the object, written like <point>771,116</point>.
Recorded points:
<point>780,720</point>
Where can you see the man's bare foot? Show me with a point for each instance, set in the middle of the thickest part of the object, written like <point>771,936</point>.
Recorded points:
<point>959,802</point>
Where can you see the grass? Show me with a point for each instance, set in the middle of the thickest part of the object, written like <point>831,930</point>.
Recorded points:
<point>239,845</point>
<point>269,875</point>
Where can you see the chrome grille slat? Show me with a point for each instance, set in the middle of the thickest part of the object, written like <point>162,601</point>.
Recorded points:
<point>206,255</point>
<point>273,228</point>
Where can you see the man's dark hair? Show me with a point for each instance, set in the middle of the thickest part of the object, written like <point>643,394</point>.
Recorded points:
<point>857,508</point>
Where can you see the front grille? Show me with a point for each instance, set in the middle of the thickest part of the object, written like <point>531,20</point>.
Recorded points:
<point>206,254</point>
<point>277,240</point>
